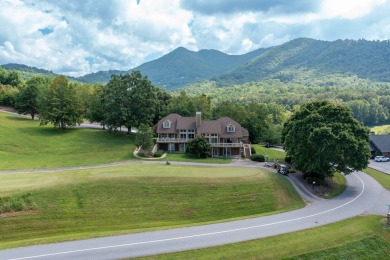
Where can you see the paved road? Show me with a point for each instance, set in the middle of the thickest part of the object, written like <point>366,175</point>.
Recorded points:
<point>362,196</point>
<point>380,166</point>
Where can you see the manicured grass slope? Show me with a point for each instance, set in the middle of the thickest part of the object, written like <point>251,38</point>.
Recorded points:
<point>273,154</point>
<point>362,237</point>
<point>25,145</point>
<point>380,177</point>
<point>97,202</point>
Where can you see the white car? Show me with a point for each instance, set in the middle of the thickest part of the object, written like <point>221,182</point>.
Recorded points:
<point>381,158</point>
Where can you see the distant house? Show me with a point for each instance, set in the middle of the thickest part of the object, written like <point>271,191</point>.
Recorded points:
<point>226,137</point>
<point>380,144</point>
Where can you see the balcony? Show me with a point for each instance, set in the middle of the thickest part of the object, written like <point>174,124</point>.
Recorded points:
<point>232,145</point>
<point>172,140</point>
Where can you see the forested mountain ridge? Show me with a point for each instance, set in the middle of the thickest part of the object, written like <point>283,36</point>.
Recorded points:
<point>181,67</point>
<point>27,71</point>
<point>288,62</point>
<point>365,59</point>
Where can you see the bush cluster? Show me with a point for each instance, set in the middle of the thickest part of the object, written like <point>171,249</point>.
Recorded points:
<point>158,153</point>
<point>258,158</point>
<point>16,203</point>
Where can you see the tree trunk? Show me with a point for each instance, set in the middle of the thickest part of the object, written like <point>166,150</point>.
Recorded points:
<point>32,115</point>
<point>128,130</point>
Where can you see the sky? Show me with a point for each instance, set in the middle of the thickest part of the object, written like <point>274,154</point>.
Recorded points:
<point>74,38</point>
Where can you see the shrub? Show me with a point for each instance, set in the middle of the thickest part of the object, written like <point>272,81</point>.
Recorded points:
<point>16,203</point>
<point>253,150</point>
<point>198,147</point>
<point>258,158</point>
<point>158,153</point>
<point>288,159</point>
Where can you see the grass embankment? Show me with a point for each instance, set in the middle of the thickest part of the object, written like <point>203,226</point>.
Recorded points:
<point>379,176</point>
<point>363,237</point>
<point>26,145</point>
<point>381,130</point>
<point>273,154</point>
<point>97,202</point>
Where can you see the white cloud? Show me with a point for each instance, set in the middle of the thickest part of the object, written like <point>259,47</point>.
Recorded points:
<point>349,9</point>
<point>80,37</point>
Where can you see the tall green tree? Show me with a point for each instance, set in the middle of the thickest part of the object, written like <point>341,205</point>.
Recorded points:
<point>129,100</point>
<point>322,138</point>
<point>144,138</point>
<point>60,105</point>
<point>95,105</point>
<point>27,99</point>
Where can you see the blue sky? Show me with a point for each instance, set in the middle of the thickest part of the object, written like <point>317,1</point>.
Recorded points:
<point>75,37</point>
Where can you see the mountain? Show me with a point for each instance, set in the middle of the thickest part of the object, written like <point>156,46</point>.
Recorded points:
<point>365,59</point>
<point>27,71</point>
<point>181,67</point>
<point>302,58</point>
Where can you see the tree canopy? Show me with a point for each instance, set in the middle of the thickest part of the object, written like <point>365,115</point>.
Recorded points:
<point>60,105</point>
<point>322,138</point>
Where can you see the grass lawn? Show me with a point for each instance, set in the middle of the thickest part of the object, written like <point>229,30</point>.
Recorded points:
<point>273,154</point>
<point>362,237</point>
<point>381,130</point>
<point>182,157</point>
<point>132,198</point>
<point>380,177</point>
<point>26,145</point>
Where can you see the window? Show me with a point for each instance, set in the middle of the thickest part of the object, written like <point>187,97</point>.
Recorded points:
<point>167,124</point>
<point>191,134</point>
<point>183,134</point>
<point>214,138</point>
<point>231,128</point>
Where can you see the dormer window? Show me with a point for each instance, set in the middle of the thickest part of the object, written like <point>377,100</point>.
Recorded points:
<point>167,124</point>
<point>231,128</point>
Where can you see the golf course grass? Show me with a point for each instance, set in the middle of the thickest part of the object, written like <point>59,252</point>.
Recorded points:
<point>362,237</point>
<point>26,145</point>
<point>115,200</point>
<point>273,154</point>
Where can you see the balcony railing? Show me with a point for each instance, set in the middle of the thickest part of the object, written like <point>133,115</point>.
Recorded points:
<point>186,140</point>
<point>173,140</point>
<point>225,144</point>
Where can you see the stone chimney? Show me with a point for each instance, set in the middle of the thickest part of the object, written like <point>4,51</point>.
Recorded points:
<point>198,119</point>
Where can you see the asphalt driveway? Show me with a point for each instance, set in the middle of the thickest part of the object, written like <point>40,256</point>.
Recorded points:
<point>380,166</point>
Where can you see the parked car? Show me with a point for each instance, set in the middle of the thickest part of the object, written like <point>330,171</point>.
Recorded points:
<point>381,158</point>
<point>283,169</point>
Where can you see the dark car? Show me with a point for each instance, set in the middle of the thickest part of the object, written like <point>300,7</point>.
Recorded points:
<point>283,169</point>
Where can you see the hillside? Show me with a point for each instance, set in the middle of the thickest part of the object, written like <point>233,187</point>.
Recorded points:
<point>365,59</point>
<point>181,67</point>
<point>27,71</point>
<point>288,62</point>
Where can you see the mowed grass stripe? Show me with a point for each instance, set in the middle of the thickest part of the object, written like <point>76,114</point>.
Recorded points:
<point>362,237</point>
<point>116,200</point>
<point>26,145</point>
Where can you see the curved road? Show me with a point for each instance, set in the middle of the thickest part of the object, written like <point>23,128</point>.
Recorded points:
<point>362,196</point>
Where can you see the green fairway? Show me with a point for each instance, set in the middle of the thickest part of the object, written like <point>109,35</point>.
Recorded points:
<point>26,145</point>
<point>273,154</point>
<point>363,237</point>
<point>114,200</point>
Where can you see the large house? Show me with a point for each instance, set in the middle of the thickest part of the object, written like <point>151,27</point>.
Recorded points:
<point>226,137</point>
<point>379,144</point>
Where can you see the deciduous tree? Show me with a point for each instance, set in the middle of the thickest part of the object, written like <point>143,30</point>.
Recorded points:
<point>323,138</point>
<point>60,105</point>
